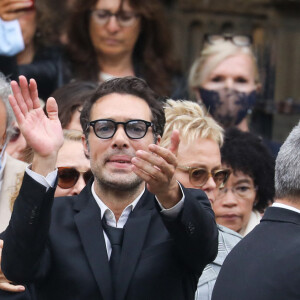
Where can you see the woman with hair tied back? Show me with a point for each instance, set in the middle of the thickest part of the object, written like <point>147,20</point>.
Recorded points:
<point>225,79</point>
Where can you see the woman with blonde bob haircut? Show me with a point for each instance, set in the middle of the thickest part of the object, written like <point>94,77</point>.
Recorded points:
<point>225,79</point>
<point>199,166</point>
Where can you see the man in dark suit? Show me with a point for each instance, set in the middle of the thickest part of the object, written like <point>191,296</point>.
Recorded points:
<point>69,247</point>
<point>265,265</point>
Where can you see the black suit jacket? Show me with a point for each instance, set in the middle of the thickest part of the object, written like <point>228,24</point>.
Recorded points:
<point>61,247</point>
<point>265,265</point>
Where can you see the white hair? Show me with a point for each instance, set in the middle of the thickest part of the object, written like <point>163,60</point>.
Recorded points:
<point>287,169</point>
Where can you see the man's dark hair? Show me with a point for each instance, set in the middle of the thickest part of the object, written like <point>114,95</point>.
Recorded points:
<point>127,86</point>
<point>245,152</point>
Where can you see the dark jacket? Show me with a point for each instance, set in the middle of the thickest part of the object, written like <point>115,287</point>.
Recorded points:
<point>59,245</point>
<point>265,265</point>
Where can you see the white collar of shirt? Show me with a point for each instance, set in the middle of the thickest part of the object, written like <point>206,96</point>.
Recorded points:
<point>109,215</point>
<point>281,205</point>
<point>3,163</point>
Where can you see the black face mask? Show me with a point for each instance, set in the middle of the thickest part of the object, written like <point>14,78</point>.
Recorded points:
<point>228,107</point>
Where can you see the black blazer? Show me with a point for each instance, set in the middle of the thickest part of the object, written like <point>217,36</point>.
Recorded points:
<point>265,265</point>
<point>62,250</point>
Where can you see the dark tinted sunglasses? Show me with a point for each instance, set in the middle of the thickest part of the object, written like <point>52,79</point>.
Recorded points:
<point>68,176</point>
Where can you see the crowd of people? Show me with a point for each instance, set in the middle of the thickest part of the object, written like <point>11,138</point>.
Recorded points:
<point>113,185</point>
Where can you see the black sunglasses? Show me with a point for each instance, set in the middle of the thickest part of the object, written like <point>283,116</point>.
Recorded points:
<point>134,129</point>
<point>199,176</point>
<point>68,176</point>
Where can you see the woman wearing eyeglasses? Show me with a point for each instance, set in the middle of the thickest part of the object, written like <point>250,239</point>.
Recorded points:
<point>250,188</point>
<point>74,169</point>
<point>117,38</point>
<point>199,167</point>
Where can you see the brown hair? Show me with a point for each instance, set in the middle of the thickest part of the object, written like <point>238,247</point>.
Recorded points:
<point>128,86</point>
<point>152,52</point>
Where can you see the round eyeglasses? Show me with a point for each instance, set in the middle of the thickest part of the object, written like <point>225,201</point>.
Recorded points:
<point>244,191</point>
<point>134,129</point>
<point>124,18</point>
<point>199,176</point>
<point>238,40</point>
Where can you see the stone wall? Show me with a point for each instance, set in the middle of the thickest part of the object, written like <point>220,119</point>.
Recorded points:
<point>275,27</point>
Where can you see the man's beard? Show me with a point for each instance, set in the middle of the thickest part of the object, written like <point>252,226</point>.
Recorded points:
<point>118,185</point>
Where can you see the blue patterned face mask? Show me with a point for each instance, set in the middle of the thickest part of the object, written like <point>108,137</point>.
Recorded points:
<point>2,153</point>
<point>227,106</point>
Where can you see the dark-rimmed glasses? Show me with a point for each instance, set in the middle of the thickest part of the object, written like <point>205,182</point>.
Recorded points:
<point>199,176</point>
<point>238,40</point>
<point>134,129</point>
<point>68,176</point>
<point>124,18</point>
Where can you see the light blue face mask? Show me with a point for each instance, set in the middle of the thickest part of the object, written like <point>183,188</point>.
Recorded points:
<point>11,38</point>
<point>2,153</point>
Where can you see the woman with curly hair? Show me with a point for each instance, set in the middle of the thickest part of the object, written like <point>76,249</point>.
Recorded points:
<point>116,38</point>
<point>250,187</point>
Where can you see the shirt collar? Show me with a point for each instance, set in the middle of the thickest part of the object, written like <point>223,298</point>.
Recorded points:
<point>281,205</point>
<point>104,209</point>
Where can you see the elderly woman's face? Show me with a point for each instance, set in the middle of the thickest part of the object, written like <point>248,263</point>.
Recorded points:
<point>112,38</point>
<point>235,72</point>
<point>202,153</point>
<point>234,203</point>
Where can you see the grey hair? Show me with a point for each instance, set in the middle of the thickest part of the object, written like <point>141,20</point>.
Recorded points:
<point>287,169</point>
<point>5,91</point>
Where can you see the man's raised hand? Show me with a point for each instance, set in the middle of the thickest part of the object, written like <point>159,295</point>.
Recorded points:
<point>43,134</point>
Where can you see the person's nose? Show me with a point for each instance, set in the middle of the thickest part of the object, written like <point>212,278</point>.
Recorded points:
<point>229,199</point>
<point>229,83</point>
<point>80,184</point>
<point>120,139</point>
<point>112,25</point>
<point>210,185</point>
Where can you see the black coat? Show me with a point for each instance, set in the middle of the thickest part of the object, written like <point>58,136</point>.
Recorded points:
<point>65,255</point>
<point>265,265</point>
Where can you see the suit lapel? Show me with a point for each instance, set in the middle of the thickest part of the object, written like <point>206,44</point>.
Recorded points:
<point>88,222</point>
<point>135,231</point>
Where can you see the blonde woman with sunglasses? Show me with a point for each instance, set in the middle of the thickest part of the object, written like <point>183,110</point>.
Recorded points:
<point>199,167</point>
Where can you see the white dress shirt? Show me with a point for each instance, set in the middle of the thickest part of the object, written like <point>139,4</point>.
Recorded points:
<point>289,207</point>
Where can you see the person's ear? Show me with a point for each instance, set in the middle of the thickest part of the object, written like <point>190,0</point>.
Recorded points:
<point>86,146</point>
